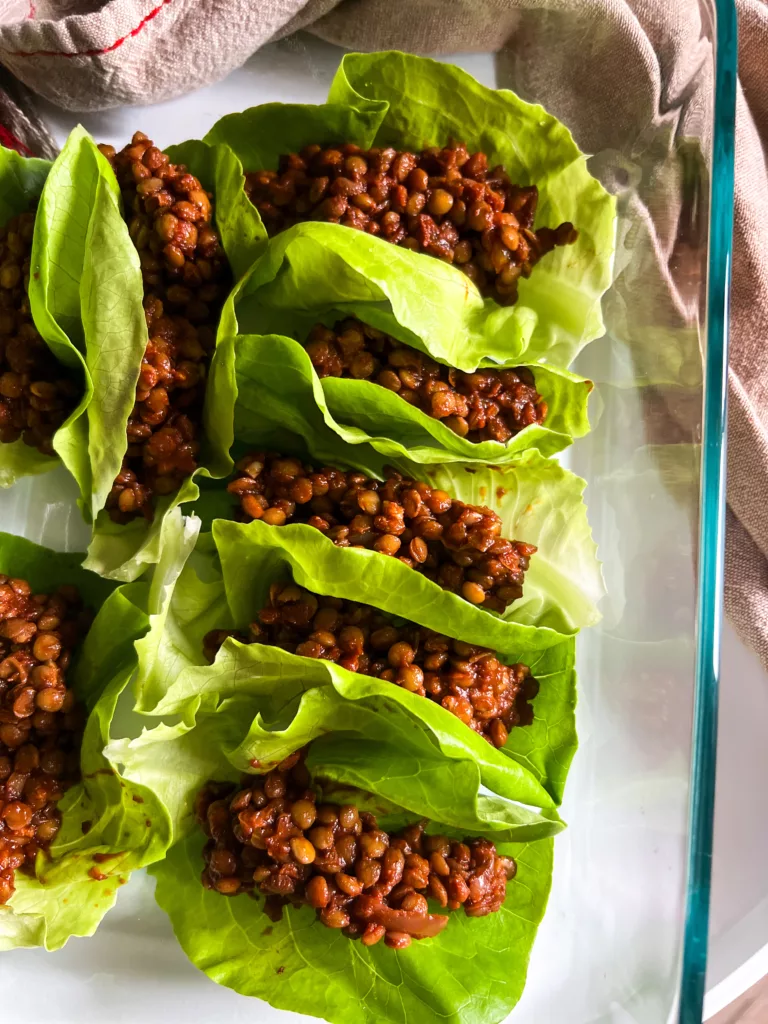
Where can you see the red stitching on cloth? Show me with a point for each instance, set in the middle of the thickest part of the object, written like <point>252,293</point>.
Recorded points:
<point>9,140</point>
<point>95,53</point>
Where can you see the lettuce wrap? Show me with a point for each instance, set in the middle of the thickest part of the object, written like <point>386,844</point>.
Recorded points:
<point>61,264</point>
<point>225,582</point>
<point>392,98</point>
<point>296,963</point>
<point>538,501</point>
<point>118,338</point>
<point>275,373</point>
<point>473,973</point>
<point>370,744</point>
<point>110,825</point>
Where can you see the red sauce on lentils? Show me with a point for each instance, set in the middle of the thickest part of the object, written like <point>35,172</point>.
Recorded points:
<point>445,202</point>
<point>469,681</point>
<point>487,405</point>
<point>270,836</point>
<point>457,545</point>
<point>186,280</point>
<point>36,393</point>
<point>40,721</point>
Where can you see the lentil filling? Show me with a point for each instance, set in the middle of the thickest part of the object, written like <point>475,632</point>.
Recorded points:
<point>186,279</point>
<point>36,392</point>
<point>443,202</point>
<point>270,836</point>
<point>469,681</point>
<point>487,405</point>
<point>457,545</point>
<point>40,721</point>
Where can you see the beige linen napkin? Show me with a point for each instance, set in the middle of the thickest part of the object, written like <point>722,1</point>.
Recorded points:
<point>651,57</point>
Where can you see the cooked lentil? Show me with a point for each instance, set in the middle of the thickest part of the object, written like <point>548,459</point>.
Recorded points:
<point>186,277</point>
<point>36,392</point>
<point>487,405</point>
<point>40,720</point>
<point>443,202</point>
<point>458,546</point>
<point>270,836</point>
<point>467,680</point>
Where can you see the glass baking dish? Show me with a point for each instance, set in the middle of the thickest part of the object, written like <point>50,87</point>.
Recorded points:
<point>624,937</point>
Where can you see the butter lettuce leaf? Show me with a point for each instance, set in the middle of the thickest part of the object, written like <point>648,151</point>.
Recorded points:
<point>472,973</point>
<point>540,502</point>
<point>125,552</point>
<point>302,699</point>
<point>21,183</point>
<point>277,382</point>
<point>84,297</point>
<point>411,102</point>
<point>225,582</point>
<point>237,945</point>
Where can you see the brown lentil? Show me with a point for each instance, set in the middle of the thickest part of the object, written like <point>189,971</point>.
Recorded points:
<point>443,202</point>
<point>458,546</point>
<point>40,722</point>
<point>186,278</point>
<point>487,405</point>
<point>364,881</point>
<point>36,392</point>
<point>469,681</point>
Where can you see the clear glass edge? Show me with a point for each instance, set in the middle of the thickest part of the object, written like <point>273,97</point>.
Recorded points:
<point>712,523</point>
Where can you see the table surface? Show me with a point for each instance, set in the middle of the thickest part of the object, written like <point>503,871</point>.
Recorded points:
<point>739,919</point>
<point>750,1008</point>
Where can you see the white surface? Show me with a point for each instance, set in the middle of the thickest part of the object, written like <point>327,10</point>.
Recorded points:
<point>739,926</point>
<point>608,950</point>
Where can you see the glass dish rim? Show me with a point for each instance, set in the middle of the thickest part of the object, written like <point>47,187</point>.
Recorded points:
<point>711,522</point>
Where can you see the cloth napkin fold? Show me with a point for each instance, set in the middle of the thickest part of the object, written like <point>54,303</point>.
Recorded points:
<point>651,56</point>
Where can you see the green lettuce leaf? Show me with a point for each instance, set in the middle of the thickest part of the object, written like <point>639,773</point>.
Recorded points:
<point>110,826</point>
<point>254,705</point>
<point>237,945</point>
<point>402,778</point>
<point>541,503</point>
<point>18,460</point>
<point>565,288</point>
<point>301,698</point>
<point>401,760</point>
<point>124,552</point>
<point>260,135</point>
<point>290,700</point>
<point>253,555</point>
<point>86,300</point>
<point>21,182</point>
<point>538,501</point>
<point>398,99</point>
<point>237,221</point>
<point>46,570</point>
<point>185,600</point>
<point>276,382</point>
<point>82,302</point>
<point>472,973</point>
